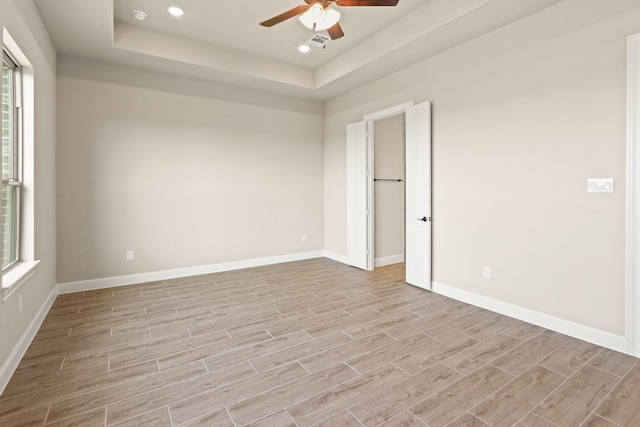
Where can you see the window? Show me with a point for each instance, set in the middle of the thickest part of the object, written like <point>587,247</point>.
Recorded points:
<point>18,163</point>
<point>11,160</point>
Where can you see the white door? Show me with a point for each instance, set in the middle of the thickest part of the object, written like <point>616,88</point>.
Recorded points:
<point>418,198</point>
<point>633,197</point>
<point>358,195</point>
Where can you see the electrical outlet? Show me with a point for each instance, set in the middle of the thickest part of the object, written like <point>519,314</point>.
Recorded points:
<point>129,255</point>
<point>304,237</point>
<point>20,304</point>
<point>487,273</point>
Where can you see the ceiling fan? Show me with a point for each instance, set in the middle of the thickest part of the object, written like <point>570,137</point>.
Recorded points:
<point>318,14</point>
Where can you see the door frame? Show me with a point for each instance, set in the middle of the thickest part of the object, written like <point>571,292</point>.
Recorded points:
<point>370,119</point>
<point>632,243</point>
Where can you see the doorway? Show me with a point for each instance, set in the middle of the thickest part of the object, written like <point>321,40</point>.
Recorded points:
<point>388,190</point>
<point>361,233</point>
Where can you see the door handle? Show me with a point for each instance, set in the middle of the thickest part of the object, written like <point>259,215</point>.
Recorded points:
<point>424,219</point>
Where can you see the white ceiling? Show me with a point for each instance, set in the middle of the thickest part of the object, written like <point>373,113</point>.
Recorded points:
<point>223,41</point>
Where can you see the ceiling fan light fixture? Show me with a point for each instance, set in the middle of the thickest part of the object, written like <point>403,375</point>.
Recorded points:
<point>318,19</point>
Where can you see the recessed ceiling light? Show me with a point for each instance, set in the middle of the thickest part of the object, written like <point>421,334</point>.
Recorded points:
<point>139,15</point>
<point>176,11</point>
<point>304,48</point>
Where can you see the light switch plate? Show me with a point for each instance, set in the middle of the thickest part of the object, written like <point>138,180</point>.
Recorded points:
<point>600,185</point>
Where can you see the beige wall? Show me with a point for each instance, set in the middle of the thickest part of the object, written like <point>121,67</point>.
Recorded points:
<point>183,173</point>
<point>389,195</point>
<point>23,23</point>
<point>521,118</point>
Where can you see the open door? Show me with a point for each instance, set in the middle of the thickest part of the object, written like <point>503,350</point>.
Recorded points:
<point>418,197</point>
<point>360,224</point>
<point>358,196</point>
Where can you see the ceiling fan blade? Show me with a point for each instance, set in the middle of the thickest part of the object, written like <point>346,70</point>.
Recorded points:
<point>335,32</point>
<point>366,2</point>
<point>284,16</point>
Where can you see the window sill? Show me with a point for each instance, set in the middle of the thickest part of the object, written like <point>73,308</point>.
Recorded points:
<point>16,277</point>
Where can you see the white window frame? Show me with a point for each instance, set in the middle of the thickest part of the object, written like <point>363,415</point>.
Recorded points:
<point>25,267</point>
<point>15,177</point>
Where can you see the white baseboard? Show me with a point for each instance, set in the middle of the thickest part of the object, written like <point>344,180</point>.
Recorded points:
<point>12,361</point>
<point>336,257</point>
<point>388,260</point>
<point>585,333</point>
<point>378,262</point>
<point>110,282</point>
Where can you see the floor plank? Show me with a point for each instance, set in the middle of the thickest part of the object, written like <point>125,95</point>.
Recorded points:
<point>577,397</point>
<point>446,405</point>
<point>396,399</point>
<point>345,395</point>
<point>203,403</point>
<point>622,405</point>
<point>511,402</point>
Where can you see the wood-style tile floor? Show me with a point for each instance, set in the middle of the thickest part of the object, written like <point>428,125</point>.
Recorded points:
<point>310,343</point>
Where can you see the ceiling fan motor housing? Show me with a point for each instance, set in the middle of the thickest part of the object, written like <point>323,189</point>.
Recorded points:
<point>316,14</point>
